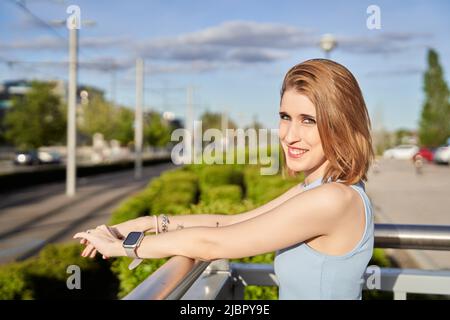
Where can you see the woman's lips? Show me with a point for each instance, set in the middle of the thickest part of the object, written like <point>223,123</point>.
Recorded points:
<point>296,152</point>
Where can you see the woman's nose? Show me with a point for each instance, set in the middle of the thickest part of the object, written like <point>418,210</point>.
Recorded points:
<point>293,133</point>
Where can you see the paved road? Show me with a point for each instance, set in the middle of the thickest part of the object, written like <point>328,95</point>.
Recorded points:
<point>399,195</point>
<point>29,219</point>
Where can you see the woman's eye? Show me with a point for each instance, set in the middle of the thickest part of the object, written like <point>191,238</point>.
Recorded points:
<point>284,117</point>
<point>309,121</point>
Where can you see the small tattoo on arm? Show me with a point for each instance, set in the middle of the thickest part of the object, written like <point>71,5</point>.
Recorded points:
<point>217,224</point>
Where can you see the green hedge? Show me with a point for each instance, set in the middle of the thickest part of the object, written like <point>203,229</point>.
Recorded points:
<point>178,191</point>
<point>261,189</point>
<point>136,206</point>
<point>14,283</point>
<point>130,279</point>
<point>45,276</point>
<point>173,191</point>
<point>227,193</point>
<point>216,175</point>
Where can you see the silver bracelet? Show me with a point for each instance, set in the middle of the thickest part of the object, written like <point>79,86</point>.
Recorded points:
<point>165,222</point>
<point>156,224</point>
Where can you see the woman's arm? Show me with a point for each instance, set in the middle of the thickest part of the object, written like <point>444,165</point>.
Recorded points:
<point>177,222</point>
<point>300,218</point>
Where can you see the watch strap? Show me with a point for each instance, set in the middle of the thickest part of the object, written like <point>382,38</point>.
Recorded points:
<point>134,263</point>
<point>131,252</point>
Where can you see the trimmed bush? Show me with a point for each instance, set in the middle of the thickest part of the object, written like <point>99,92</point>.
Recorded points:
<point>174,196</point>
<point>217,175</point>
<point>132,208</point>
<point>262,189</point>
<point>130,279</point>
<point>45,276</point>
<point>14,284</point>
<point>226,193</point>
<point>173,191</point>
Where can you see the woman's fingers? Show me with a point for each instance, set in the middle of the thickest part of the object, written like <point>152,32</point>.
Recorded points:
<point>88,250</point>
<point>98,242</point>
<point>85,252</point>
<point>93,253</point>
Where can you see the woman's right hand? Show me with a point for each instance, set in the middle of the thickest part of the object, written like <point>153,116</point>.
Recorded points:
<point>119,231</point>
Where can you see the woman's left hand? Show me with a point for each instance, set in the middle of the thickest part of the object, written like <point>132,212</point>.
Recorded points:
<point>108,246</point>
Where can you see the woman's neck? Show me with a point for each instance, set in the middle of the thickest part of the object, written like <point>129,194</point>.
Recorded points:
<point>315,173</point>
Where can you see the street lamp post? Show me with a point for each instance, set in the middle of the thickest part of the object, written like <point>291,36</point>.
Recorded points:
<point>138,119</point>
<point>71,113</point>
<point>73,23</point>
<point>327,44</point>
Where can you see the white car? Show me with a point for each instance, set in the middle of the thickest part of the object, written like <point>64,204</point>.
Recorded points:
<point>404,152</point>
<point>442,154</point>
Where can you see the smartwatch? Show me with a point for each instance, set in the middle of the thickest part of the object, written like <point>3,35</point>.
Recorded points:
<point>130,244</point>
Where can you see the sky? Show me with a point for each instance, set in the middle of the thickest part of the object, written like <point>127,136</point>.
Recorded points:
<point>234,53</point>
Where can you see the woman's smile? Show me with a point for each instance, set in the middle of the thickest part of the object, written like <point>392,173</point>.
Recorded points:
<point>296,152</point>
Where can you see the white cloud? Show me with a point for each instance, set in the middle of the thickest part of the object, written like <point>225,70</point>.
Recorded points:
<point>237,41</point>
<point>227,45</point>
<point>386,42</point>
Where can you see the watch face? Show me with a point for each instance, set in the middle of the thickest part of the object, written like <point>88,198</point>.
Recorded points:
<point>132,238</point>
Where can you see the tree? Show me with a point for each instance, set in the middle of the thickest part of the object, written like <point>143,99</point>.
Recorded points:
<point>401,134</point>
<point>214,120</point>
<point>434,126</point>
<point>98,116</point>
<point>36,119</point>
<point>156,131</point>
<point>123,128</point>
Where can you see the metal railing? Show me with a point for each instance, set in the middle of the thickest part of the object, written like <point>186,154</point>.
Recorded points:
<point>184,278</point>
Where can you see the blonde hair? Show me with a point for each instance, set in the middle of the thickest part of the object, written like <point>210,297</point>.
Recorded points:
<point>342,118</point>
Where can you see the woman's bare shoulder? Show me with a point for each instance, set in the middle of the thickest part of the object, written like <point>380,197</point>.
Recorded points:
<point>338,194</point>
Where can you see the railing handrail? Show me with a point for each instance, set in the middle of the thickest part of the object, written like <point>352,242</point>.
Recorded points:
<point>175,277</point>
<point>169,281</point>
<point>412,236</point>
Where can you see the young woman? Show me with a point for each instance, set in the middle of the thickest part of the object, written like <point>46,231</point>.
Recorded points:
<point>321,230</point>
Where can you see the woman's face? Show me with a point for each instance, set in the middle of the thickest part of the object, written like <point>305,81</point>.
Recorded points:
<point>299,134</point>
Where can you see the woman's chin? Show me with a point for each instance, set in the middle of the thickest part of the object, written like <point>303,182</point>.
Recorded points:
<point>295,166</point>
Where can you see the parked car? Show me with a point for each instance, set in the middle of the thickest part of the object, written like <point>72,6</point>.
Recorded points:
<point>34,157</point>
<point>404,151</point>
<point>425,153</point>
<point>442,154</point>
<point>49,157</point>
<point>29,157</point>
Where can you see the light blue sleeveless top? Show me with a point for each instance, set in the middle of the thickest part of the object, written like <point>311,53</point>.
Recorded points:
<point>305,273</point>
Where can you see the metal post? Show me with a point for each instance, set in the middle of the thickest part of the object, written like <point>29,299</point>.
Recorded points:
<point>138,125</point>
<point>190,127</point>
<point>71,114</point>
<point>224,123</point>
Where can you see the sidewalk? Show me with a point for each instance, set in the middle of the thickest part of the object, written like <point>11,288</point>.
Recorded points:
<point>401,196</point>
